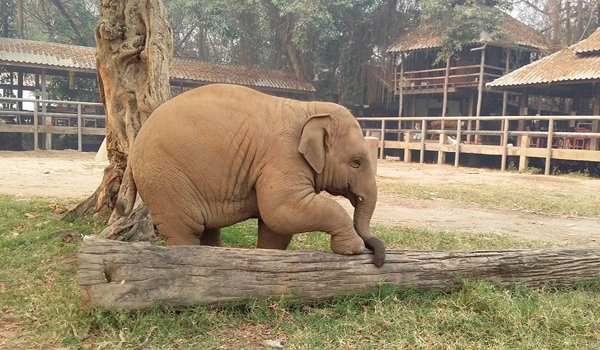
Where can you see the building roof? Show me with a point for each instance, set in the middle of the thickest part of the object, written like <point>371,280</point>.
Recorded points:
<point>577,63</point>
<point>512,33</point>
<point>61,56</point>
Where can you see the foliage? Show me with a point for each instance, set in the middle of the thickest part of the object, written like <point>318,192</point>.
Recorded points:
<point>463,22</point>
<point>7,18</point>
<point>42,308</point>
<point>64,21</point>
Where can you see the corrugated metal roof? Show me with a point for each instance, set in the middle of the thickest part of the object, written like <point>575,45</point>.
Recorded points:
<point>80,57</point>
<point>562,66</point>
<point>513,33</point>
<point>589,45</point>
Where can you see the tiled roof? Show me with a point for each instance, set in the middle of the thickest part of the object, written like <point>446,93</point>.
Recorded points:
<point>589,45</point>
<point>580,62</point>
<point>513,33</point>
<point>80,57</point>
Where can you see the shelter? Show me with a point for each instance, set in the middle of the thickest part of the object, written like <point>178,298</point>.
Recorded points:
<point>422,86</point>
<point>44,58</point>
<point>26,66</point>
<point>566,82</point>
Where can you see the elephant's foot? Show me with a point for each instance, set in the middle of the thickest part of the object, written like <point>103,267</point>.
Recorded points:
<point>347,244</point>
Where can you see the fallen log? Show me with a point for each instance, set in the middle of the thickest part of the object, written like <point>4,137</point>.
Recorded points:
<point>136,275</point>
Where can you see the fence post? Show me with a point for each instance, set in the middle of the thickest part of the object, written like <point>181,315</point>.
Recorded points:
<point>441,154</point>
<point>423,131</point>
<point>458,138</point>
<point>549,146</point>
<point>523,159</point>
<point>36,136</point>
<point>381,156</point>
<point>407,150</point>
<point>504,145</point>
<point>79,136</point>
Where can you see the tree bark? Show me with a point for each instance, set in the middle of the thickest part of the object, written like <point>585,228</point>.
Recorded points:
<point>137,275</point>
<point>134,52</point>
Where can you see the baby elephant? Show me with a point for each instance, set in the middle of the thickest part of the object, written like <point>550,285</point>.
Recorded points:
<point>221,154</point>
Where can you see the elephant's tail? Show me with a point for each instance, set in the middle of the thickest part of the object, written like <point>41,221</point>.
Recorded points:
<point>130,195</point>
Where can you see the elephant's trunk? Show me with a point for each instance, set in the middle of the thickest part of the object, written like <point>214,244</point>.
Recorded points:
<point>363,212</point>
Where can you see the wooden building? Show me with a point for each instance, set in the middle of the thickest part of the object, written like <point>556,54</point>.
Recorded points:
<point>28,65</point>
<point>44,58</point>
<point>422,86</point>
<point>564,83</point>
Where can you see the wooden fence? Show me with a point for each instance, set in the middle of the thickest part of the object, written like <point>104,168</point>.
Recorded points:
<point>547,144</point>
<point>51,117</point>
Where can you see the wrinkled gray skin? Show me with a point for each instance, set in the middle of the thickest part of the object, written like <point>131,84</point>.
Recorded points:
<point>221,154</point>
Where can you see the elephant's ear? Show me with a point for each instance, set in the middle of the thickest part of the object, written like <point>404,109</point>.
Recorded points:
<point>314,141</point>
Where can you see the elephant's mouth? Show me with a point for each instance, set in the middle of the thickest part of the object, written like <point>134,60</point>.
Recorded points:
<point>354,198</point>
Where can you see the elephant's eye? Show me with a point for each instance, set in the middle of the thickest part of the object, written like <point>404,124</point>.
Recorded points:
<point>355,163</point>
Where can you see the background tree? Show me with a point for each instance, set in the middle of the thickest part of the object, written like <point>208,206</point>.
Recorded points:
<point>133,57</point>
<point>461,22</point>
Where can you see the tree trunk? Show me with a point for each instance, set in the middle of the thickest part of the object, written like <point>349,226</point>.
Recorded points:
<point>134,52</point>
<point>136,275</point>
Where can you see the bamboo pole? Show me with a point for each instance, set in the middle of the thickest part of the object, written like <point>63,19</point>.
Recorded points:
<point>423,133</point>
<point>549,147</point>
<point>505,125</point>
<point>470,114</point>
<point>480,91</point>
<point>401,88</point>
<point>458,138</point>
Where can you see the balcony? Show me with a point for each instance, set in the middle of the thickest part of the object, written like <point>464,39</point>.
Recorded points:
<point>433,80</point>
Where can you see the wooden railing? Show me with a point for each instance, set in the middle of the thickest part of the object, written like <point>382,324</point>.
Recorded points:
<point>548,144</point>
<point>459,76</point>
<point>51,117</point>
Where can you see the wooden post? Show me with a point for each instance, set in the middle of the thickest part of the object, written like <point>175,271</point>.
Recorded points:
<point>505,124</point>
<point>401,88</point>
<point>79,126</point>
<point>407,150</point>
<point>36,145</point>
<point>470,114</point>
<point>549,146</point>
<point>441,154</point>
<point>47,119</point>
<point>445,99</point>
<point>505,93</point>
<point>20,91</point>
<point>381,154</point>
<point>595,123</point>
<point>423,132</point>
<point>458,138</point>
<point>523,159</point>
<point>441,159</point>
<point>122,275</point>
<point>480,91</point>
<point>523,104</point>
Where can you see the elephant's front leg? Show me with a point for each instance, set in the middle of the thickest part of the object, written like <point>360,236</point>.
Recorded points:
<point>289,210</point>
<point>269,239</point>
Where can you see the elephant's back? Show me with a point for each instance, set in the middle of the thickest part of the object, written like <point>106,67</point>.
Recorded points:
<point>212,137</point>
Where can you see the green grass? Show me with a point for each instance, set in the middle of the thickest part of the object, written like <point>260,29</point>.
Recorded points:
<point>40,306</point>
<point>584,203</point>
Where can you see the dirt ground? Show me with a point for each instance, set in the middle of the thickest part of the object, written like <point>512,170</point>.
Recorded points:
<point>71,174</point>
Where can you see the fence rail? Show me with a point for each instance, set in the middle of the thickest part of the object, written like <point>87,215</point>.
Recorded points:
<point>580,144</point>
<point>51,117</point>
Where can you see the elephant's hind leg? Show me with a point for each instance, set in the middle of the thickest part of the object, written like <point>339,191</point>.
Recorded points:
<point>269,239</point>
<point>211,237</point>
<point>178,228</point>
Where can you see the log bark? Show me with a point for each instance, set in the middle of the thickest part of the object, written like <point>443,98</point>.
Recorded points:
<point>134,52</point>
<point>137,275</point>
